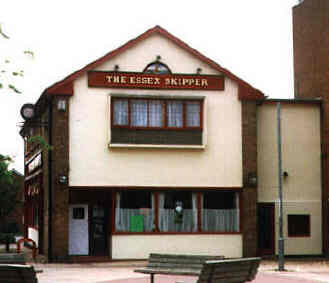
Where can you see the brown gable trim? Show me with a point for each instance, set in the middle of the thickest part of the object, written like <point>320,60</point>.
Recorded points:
<point>249,93</point>
<point>63,89</point>
<point>256,94</point>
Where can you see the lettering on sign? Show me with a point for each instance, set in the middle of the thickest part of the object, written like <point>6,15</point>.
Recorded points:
<point>164,81</point>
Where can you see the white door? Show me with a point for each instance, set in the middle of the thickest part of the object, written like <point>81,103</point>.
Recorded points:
<point>78,229</point>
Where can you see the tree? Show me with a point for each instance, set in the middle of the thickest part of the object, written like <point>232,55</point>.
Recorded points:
<point>5,70</point>
<point>8,199</point>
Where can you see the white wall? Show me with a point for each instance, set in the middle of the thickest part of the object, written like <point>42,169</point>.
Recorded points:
<point>34,235</point>
<point>301,158</point>
<point>140,246</point>
<point>92,163</point>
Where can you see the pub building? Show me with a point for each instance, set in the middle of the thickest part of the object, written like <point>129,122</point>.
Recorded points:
<point>157,148</point>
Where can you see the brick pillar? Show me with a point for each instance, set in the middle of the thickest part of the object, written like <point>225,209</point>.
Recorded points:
<point>60,192</point>
<point>249,162</point>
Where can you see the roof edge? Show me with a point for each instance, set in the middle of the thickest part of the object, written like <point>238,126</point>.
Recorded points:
<point>54,89</point>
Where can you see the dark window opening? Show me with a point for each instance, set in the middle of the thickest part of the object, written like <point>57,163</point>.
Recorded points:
<point>78,213</point>
<point>136,199</point>
<point>171,199</point>
<point>219,200</point>
<point>299,225</point>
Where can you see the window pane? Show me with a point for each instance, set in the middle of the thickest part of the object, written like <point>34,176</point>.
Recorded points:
<point>173,219</point>
<point>120,107</point>
<point>175,114</point>
<point>193,114</point>
<point>156,113</point>
<point>138,112</point>
<point>134,211</point>
<point>299,226</point>
<point>220,212</point>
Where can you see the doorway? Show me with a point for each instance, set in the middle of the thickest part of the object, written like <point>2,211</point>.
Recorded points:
<point>266,228</point>
<point>98,230</point>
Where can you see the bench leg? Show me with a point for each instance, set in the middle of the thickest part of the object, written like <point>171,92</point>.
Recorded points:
<point>152,278</point>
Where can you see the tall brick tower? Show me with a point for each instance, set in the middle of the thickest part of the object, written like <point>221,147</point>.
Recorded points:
<point>311,73</point>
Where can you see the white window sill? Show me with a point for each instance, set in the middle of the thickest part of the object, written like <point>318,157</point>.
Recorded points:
<point>120,145</point>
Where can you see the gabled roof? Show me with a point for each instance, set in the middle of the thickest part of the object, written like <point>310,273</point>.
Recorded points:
<point>65,86</point>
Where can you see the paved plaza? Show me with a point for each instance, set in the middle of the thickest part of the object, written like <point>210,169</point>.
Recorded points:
<point>298,271</point>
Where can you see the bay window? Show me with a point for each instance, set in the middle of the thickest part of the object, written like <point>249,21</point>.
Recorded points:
<point>156,121</point>
<point>177,211</point>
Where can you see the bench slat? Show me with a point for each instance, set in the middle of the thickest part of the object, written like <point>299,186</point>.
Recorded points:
<point>17,273</point>
<point>175,265</point>
<point>209,268</point>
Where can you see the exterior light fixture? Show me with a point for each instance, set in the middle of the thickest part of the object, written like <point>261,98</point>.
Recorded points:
<point>61,105</point>
<point>116,68</point>
<point>198,70</point>
<point>252,179</point>
<point>158,58</point>
<point>285,174</point>
<point>62,179</point>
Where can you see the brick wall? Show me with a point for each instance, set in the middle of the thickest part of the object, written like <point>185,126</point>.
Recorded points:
<point>311,72</point>
<point>249,161</point>
<point>60,192</point>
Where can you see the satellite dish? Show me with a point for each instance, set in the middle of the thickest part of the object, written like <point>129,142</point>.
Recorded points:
<point>27,111</point>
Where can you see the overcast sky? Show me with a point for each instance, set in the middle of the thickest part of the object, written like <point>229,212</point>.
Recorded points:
<point>253,39</point>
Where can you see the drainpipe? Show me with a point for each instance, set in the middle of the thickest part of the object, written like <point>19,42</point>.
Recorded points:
<point>50,197</point>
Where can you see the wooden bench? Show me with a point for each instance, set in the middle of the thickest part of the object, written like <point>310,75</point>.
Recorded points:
<point>11,273</point>
<point>12,258</point>
<point>206,268</point>
<point>175,264</point>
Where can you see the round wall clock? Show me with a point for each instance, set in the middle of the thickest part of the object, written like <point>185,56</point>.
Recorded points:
<point>27,111</point>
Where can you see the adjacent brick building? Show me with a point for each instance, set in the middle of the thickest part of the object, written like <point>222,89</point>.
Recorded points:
<point>311,74</point>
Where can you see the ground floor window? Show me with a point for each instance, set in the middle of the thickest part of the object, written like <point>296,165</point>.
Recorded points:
<point>177,211</point>
<point>299,225</point>
<point>134,211</point>
<point>220,212</point>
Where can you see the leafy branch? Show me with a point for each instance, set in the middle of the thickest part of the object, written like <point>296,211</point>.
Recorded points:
<point>14,73</point>
<point>39,140</point>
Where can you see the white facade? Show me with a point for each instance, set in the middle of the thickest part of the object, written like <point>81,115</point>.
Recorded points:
<point>301,159</point>
<point>207,167</point>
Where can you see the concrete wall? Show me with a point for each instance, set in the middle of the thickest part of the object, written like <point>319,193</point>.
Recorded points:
<point>139,246</point>
<point>301,159</point>
<point>92,163</point>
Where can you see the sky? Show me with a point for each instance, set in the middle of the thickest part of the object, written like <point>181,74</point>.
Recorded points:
<point>252,39</point>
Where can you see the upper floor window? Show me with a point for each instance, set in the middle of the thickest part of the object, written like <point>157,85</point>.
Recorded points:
<point>157,113</point>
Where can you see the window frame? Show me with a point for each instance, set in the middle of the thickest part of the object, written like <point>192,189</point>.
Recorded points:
<point>199,230</point>
<point>165,113</point>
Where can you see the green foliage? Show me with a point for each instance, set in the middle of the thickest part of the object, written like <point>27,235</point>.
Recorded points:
<point>8,189</point>
<point>15,73</point>
<point>39,140</point>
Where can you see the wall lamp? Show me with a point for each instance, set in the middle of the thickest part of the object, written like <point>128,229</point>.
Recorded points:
<point>252,179</point>
<point>62,179</point>
<point>285,174</point>
<point>198,71</point>
<point>61,105</point>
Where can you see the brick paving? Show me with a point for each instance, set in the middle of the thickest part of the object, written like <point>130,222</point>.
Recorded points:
<point>299,271</point>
